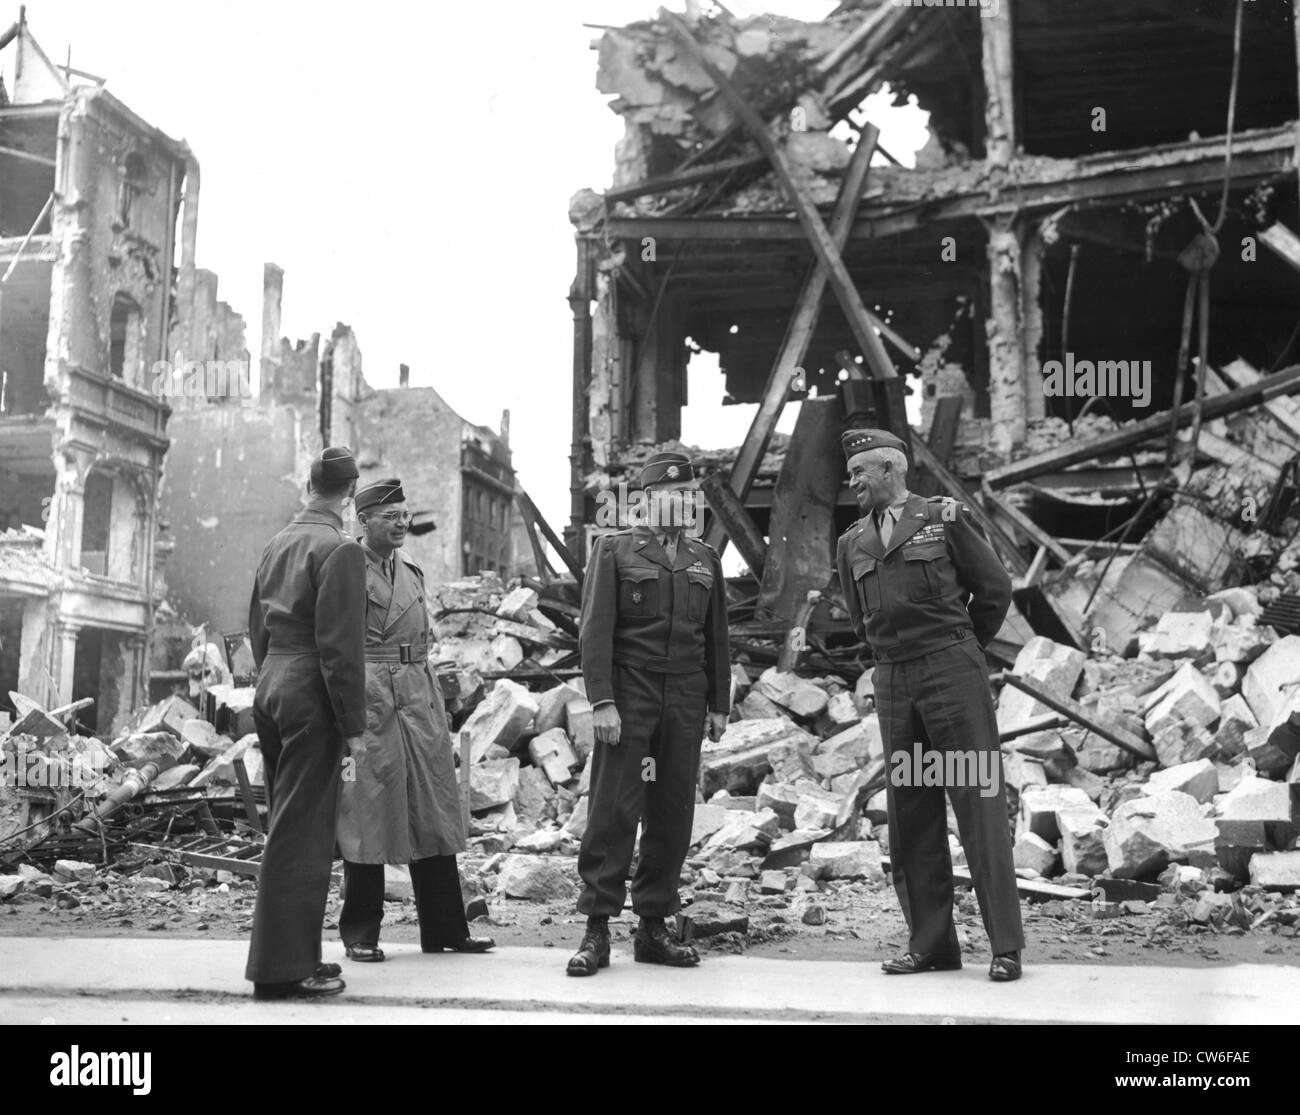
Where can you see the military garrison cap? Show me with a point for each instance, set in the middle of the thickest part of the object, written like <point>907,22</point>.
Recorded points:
<point>381,491</point>
<point>674,468</point>
<point>333,466</point>
<point>860,441</point>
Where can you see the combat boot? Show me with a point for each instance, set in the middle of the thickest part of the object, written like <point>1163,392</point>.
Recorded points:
<point>655,945</point>
<point>593,953</point>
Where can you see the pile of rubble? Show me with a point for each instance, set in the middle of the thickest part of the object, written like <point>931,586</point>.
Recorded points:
<point>55,777</point>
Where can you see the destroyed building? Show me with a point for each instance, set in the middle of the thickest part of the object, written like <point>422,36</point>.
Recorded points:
<point>1078,153</point>
<point>98,211</point>
<point>238,464</point>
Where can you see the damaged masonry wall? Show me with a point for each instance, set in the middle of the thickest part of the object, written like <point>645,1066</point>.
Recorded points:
<point>987,259</point>
<point>81,438</point>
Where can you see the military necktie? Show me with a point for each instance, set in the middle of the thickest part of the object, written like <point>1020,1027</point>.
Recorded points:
<point>885,524</point>
<point>670,546</point>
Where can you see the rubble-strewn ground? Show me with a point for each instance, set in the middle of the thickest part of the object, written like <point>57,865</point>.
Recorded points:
<point>862,922</point>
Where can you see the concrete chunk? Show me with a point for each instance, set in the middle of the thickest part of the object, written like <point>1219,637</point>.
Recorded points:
<point>793,693</point>
<point>745,831</point>
<point>1186,697</point>
<point>551,708</point>
<point>757,707</point>
<point>535,878</point>
<point>492,783</point>
<point>1270,686</point>
<point>1242,643</point>
<point>1035,853</point>
<point>1178,635</point>
<point>848,859</point>
<point>551,751</point>
<point>504,715</point>
<point>706,821</point>
<point>1039,806</point>
<point>1083,840</point>
<point>142,747</point>
<point>1276,870</point>
<point>1148,833</point>
<point>739,760</point>
<point>518,605</point>
<point>1199,779</point>
<point>168,715</point>
<point>1054,666</point>
<point>1235,720</point>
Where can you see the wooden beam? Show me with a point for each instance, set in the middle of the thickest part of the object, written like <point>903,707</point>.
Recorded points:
<point>1026,525</point>
<point>841,282</point>
<point>1066,707</point>
<point>684,178</point>
<point>13,152</point>
<point>530,511</point>
<point>1258,156</point>
<point>942,439</point>
<point>1277,385</point>
<point>734,522</point>
<point>794,346</point>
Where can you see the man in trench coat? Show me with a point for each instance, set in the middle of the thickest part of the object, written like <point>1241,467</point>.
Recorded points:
<point>399,803</point>
<point>306,626</point>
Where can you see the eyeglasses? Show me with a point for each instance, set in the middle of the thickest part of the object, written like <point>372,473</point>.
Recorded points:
<point>394,517</point>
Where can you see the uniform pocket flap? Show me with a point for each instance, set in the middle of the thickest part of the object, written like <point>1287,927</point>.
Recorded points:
<point>700,577</point>
<point>638,573</point>
<point>925,551</point>
<point>863,565</point>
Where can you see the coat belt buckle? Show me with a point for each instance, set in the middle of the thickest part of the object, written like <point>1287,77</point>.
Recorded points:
<point>404,653</point>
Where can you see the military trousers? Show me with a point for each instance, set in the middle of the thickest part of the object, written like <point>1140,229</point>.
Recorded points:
<point>941,704</point>
<point>439,904</point>
<point>304,755</point>
<point>650,777</point>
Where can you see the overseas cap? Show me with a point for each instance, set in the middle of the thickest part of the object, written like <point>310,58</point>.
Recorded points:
<point>859,441</point>
<point>674,468</point>
<point>333,466</point>
<point>381,491</point>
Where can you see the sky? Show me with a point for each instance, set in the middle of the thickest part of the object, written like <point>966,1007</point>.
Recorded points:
<point>410,166</point>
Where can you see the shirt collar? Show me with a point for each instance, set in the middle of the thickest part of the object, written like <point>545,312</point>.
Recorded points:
<point>895,510</point>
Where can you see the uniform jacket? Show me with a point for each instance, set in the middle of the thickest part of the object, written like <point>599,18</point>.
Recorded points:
<point>937,578</point>
<point>641,610</point>
<point>309,598</point>
<point>399,802</point>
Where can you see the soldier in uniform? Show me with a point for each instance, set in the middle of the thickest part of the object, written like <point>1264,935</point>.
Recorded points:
<point>399,802</point>
<point>927,592</point>
<point>306,625</point>
<point>655,658</point>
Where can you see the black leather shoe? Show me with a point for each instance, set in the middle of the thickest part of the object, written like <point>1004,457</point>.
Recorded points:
<point>329,971</point>
<point>366,954</point>
<point>910,963</point>
<point>1005,967</point>
<point>313,987</point>
<point>592,954</point>
<point>653,944</point>
<point>467,944</point>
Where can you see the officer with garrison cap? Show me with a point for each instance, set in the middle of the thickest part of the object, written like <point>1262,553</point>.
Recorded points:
<point>926,591</point>
<point>400,804</point>
<point>306,623</point>
<point>653,639</point>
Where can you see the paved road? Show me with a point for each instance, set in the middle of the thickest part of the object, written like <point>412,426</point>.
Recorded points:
<point>108,980</point>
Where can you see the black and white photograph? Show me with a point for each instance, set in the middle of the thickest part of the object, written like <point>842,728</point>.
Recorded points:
<point>593,513</point>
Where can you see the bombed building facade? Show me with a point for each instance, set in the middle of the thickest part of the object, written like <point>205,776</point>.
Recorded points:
<point>140,447</point>
<point>1077,250</point>
<point>97,217</point>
